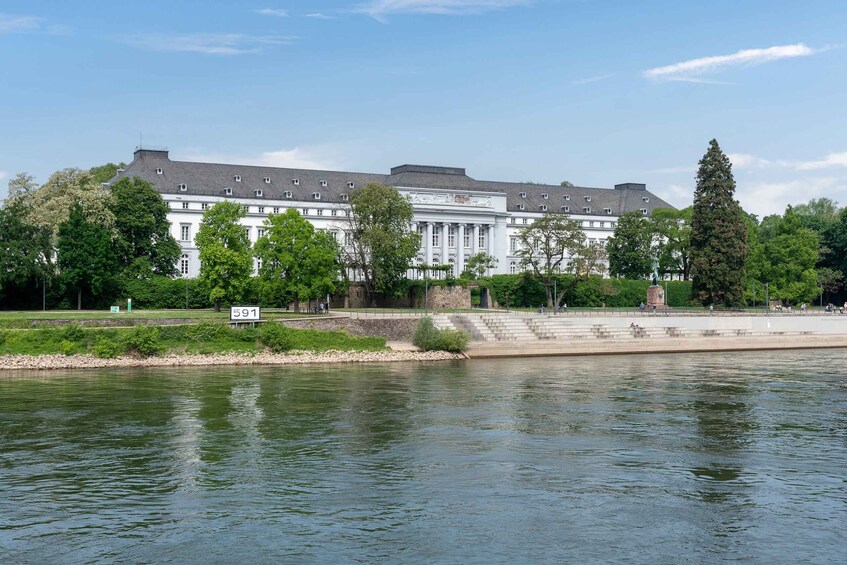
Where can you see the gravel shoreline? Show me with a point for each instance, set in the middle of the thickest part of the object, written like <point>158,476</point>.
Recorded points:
<point>51,362</point>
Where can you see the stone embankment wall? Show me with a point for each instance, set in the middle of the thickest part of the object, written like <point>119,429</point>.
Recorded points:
<point>397,329</point>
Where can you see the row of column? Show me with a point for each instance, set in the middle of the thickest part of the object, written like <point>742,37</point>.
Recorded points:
<point>459,264</point>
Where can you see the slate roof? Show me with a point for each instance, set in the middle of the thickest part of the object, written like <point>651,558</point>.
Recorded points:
<point>211,179</point>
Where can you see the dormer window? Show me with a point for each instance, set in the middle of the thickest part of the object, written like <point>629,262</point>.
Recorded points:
<point>351,185</point>
<point>567,196</point>
<point>159,171</point>
<point>287,194</point>
<point>543,207</point>
<point>644,211</point>
<point>645,199</point>
<point>545,196</point>
<point>566,208</point>
<point>345,197</point>
<point>183,187</point>
<point>587,210</point>
<point>520,206</point>
<point>588,199</point>
<point>296,182</point>
<point>227,191</point>
<point>267,180</point>
<point>523,194</point>
<point>316,196</point>
<point>607,210</point>
<point>237,178</point>
<point>259,194</point>
<point>323,183</point>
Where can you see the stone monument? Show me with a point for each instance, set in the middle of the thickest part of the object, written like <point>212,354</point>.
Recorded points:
<point>655,293</point>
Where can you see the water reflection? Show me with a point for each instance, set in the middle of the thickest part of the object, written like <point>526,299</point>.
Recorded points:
<point>662,458</point>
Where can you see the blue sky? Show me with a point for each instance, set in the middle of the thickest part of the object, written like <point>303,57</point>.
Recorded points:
<point>596,92</point>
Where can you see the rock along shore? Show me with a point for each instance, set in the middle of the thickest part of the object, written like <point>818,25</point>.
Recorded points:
<point>51,362</point>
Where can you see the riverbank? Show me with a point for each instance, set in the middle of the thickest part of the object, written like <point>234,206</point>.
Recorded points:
<point>52,362</point>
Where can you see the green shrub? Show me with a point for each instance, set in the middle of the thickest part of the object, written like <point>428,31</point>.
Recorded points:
<point>67,347</point>
<point>2,337</point>
<point>106,348</point>
<point>143,340</point>
<point>275,336</point>
<point>430,338</point>
<point>206,331</point>
<point>72,332</point>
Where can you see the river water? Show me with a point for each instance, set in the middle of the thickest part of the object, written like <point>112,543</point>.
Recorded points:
<point>642,459</point>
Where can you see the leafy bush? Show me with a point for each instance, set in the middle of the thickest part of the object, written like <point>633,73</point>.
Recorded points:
<point>67,347</point>
<point>143,340</point>
<point>72,332</point>
<point>206,331</point>
<point>106,348</point>
<point>275,336</point>
<point>430,338</point>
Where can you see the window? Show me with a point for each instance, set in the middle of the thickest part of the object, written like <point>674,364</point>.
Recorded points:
<point>316,196</point>
<point>276,210</point>
<point>345,197</point>
<point>607,210</point>
<point>185,232</point>
<point>346,213</point>
<point>305,211</point>
<point>247,233</point>
<point>227,192</point>
<point>204,206</point>
<point>260,232</point>
<point>644,211</point>
<point>545,196</point>
<point>159,171</point>
<point>320,211</point>
<point>567,196</point>
<point>334,234</point>
<point>334,212</point>
<point>645,199</point>
<point>348,238</point>
<point>566,208</point>
<point>588,199</point>
<point>543,207</point>
<point>481,239</point>
<point>323,183</point>
<point>522,194</point>
<point>296,182</point>
<point>592,224</point>
<point>524,221</point>
<point>259,194</point>
<point>520,206</point>
<point>183,187</point>
<point>351,185</point>
<point>451,237</point>
<point>267,180</point>
<point>436,236</point>
<point>587,209</point>
<point>466,239</point>
<point>259,264</point>
<point>513,267</point>
<point>513,244</point>
<point>183,265</point>
<point>287,194</point>
<point>513,220</point>
<point>237,178</point>
<point>185,205</point>
<point>261,209</point>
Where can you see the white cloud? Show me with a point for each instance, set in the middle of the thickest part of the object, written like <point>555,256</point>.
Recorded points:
<point>319,16</point>
<point>296,158</point>
<point>10,23</point>
<point>747,161</point>
<point>589,80</point>
<point>764,198</point>
<point>378,9</point>
<point>279,13</point>
<point>206,43</point>
<point>833,160</point>
<point>692,69</point>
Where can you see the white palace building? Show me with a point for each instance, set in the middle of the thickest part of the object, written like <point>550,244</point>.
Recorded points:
<point>456,215</point>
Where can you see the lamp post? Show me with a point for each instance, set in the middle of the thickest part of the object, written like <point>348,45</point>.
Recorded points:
<point>767,298</point>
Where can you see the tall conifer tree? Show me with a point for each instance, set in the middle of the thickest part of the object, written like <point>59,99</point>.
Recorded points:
<point>718,234</point>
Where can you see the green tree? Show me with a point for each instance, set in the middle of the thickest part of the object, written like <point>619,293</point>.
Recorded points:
<point>567,184</point>
<point>297,259</point>
<point>629,249</point>
<point>226,262</point>
<point>756,266</point>
<point>718,233</point>
<point>107,172</point>
<point>835,240</point>
<point>479,265</point>
<point>145,244</point>
<point>672,238</point>
<point>556,244</point>
<point>25,250</point>
<point>791,256</point>
<point>381,246</point>
<point>830,281</point>
<point>86,256</point>
<point>818,214</point>
<point>53,201</point>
